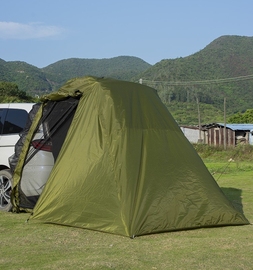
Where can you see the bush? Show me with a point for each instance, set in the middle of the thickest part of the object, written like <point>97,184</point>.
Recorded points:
<point>238,153</point>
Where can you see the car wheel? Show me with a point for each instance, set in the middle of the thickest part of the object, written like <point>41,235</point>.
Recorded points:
<point>5,190</point>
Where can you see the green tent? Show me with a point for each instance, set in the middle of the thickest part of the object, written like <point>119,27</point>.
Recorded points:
<point>126,168</point>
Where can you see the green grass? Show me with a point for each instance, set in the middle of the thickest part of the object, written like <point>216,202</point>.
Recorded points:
<point>43,246</point>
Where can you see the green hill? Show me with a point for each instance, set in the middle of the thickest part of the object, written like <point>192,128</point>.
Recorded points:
<point>28,78</point>
<point>206,75</point>
<point>39,81</point>
<point>122,67</point>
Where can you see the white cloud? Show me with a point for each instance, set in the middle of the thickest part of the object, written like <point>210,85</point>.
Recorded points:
<point>14,30</point>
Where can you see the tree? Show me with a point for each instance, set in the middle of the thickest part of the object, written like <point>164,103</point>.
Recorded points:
<point>239,118</point>
<point>9,92</point>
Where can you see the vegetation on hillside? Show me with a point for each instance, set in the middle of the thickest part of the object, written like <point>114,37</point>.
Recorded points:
<point>36,81</point>
<point>223,70</point>
<point>28,78</point>
<point>9,93</point>
<point>189,114</point>
<point>122,68</point>
<point>246,118</point>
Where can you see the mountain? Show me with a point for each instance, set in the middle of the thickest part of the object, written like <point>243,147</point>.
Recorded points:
<point>222,71</point>
<point>225,57</point>
<point>39,81</point>
<point>122,67</point>
<point>28,77</point>
<point>196,88</point>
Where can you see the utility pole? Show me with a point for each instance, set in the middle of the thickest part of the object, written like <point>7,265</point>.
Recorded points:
<point>200,136</point>
<point>225,128</point>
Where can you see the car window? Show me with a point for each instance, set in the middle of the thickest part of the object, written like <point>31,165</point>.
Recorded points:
<point>2,117</point>
<point>15,121</point>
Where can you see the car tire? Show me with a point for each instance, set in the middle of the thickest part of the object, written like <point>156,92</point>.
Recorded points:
<point>5,190</point>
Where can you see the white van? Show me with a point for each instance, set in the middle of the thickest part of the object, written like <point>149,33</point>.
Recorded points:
<point>13,117</point>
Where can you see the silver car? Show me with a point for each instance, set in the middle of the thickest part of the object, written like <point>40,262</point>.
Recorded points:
<point>38,165</point>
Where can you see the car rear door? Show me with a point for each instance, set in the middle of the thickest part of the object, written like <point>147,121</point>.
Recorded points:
<point>12,123</point>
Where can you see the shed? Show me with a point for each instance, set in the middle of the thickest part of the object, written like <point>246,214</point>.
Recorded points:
<point>235,134</point>
<point>193,133</point>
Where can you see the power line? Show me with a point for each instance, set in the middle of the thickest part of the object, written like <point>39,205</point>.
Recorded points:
<point>203,82</point>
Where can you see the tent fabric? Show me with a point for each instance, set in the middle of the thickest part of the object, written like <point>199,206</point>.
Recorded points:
<point>22,153</point>
<point>57,119</point>
<point>54,121</point>
<point>126,168</point>
<point>13,160</point>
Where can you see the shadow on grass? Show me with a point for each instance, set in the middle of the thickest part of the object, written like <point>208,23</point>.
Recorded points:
<point>235,197</point>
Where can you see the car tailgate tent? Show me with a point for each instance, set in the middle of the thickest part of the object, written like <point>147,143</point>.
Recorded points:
<point>126,168</point>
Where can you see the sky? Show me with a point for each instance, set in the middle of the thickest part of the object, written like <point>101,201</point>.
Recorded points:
<point>43,32</point>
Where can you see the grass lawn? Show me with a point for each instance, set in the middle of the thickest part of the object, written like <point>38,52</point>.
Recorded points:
<point>43,246</point>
